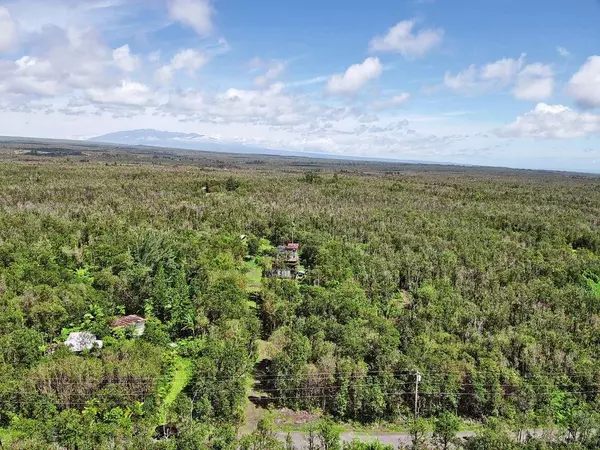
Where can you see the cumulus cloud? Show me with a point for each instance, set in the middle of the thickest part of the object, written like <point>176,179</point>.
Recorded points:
<point>164,75</point>
<point>274,70</point>
<point>502,71</point>
<point>532,82</point>
<point>188,59</point>
<point>402,39</point>
<point>355,77</point>
<point>584,85</point>
<point>127,93</point>
<point>65,61</point>
<point>196,14</point>
<point>494,75</point>
<point>269,106</point>
<point>535,83</point>
<point>124,60</point>
<point>272,106</point>
<point>551,122</point>
<point>8,30</point>
<point>34,76</point>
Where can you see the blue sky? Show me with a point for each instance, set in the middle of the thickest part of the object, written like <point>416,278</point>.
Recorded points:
<point>506,82</point>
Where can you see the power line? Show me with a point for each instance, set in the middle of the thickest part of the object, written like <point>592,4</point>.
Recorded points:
<point>397,373</point>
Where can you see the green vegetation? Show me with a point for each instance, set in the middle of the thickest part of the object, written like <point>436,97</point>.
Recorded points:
<point>253,276</point>
<point>182,373</point>
<point>483,281</point>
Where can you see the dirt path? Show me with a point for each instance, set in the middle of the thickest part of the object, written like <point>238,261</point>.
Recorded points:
<point>395,439</point>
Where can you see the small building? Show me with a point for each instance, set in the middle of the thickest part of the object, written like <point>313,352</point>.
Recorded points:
<point>79,341</point>
<point>289,253</point>
<point>286,262</point>
<point>136,323</point>
<point>282,273</point>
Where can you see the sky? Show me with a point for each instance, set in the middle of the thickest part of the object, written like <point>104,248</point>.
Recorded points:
<point>495,82</point>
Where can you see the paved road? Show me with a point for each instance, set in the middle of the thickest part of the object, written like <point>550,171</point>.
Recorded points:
<point>395,439</point>
<point>299,439</point>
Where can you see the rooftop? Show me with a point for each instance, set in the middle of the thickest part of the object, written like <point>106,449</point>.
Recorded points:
<point>127,321</point>
<point>82,340</point>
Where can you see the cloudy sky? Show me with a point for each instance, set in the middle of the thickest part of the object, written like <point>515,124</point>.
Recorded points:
<point>504,82</point>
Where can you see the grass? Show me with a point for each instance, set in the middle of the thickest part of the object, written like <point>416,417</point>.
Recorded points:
<point>181,377</point>
<point>286,424</point>
<point>253,276</point>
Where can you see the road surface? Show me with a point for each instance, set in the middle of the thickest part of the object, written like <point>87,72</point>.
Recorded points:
<point>395,439</point>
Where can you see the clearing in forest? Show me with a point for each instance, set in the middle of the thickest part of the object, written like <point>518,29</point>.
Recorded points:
<point>182,373</point>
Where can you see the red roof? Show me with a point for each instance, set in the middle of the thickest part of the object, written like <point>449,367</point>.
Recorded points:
<point>292,246</point>
<point>127,321</point>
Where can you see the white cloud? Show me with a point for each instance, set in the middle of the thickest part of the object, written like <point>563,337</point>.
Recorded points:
<point>124,60</point>
<point>394,102</point>
<point>502,71</point>
<point>63,62</point>
<point>551,122</point>
<point>196,14</point>
<point>274,71</point>
<point>272,105</point>
<point>128,93</point>
<point>563,52</point>
<point>464,81</point>
<point>30,77</point>
<point>355,77</point>
<point>188,59</point>
<point>164,75</point>
<point>401,39</point>
<point>535,83</point>
<point>79,57</point>
<point>584,85</point>
<point>8,30</point>
<point>309,81</point>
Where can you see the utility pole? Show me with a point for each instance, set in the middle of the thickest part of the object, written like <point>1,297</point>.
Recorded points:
<point>417,381</point>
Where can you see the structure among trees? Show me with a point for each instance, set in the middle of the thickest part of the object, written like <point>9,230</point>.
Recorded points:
<point>285,264</point>
<point>136,323</point>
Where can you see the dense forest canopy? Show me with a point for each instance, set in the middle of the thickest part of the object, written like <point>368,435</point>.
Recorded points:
<point>484,282</point>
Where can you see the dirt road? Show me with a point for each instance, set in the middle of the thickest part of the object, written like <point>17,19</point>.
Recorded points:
<point>395,439</point>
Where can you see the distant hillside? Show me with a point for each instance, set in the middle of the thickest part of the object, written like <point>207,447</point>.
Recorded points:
<point>195,141</point>
<point>188,141</point>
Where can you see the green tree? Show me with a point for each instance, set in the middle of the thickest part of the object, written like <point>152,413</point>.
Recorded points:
<point>445,429</point>
<point>328,435</point>
<point>418,429</point>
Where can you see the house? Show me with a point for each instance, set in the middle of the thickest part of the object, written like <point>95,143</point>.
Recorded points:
<point>136,323</point>
<point>286,262</point>
<point>289,253</point>
<point>82,340</point>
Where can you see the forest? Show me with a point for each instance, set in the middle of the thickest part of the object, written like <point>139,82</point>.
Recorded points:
<point>428,299</point>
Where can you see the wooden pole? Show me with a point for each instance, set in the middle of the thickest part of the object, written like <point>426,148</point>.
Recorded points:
<point>417,381</point>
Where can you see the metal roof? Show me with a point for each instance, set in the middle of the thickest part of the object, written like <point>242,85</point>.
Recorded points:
<point>127,321</point>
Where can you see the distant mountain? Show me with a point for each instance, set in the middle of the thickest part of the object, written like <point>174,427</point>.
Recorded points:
<point>187,141</point>
<point>149,135</point>
<point>195,141</point>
